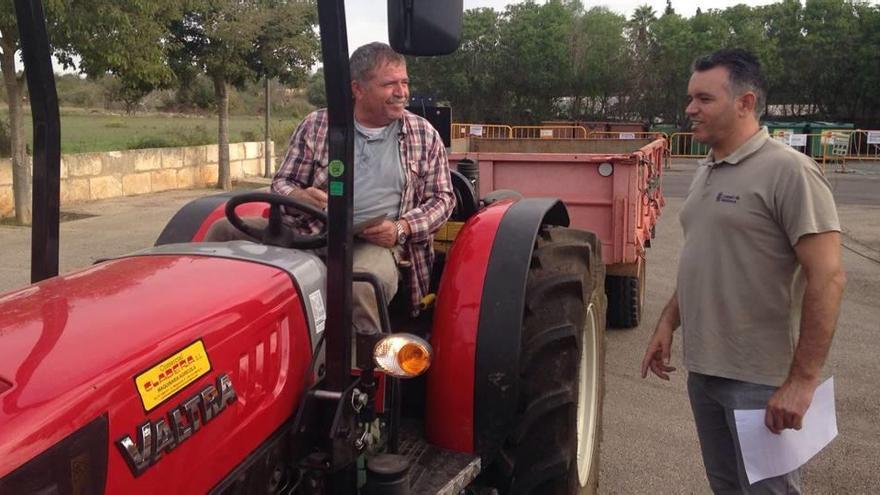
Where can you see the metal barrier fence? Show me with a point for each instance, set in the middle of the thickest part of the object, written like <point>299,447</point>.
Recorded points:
<point>826,147</point>
<point>683,145</point>
<point>834,146</point>
<point>627,135</point>
<point>491,131</point>
<point>549,132</point>
<point>864,145</point>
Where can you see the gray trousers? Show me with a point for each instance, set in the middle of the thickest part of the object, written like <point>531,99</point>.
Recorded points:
<point>713,400</point>
<point>366,257</point>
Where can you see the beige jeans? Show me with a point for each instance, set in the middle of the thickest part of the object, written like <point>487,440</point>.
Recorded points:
<point>366,257</point>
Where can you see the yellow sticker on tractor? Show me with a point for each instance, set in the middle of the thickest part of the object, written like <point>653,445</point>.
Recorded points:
<point>172,375</point>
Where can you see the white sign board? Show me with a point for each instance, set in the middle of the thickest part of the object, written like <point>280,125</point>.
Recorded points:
<point>627,135</point>
<point>839,139</point>
<point>795,140</point>
<point>873,137</point>
<point>782,135</point>
<point>546,133</point>
<point>476,130</point>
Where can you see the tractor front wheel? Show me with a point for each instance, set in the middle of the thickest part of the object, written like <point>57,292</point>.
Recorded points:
<point>554,447</point>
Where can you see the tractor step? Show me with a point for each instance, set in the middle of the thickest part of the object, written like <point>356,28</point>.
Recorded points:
<point>435,470</point>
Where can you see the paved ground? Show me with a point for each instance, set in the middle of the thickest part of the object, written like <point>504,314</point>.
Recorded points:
<point>120,226</point>
<point>649,443</point>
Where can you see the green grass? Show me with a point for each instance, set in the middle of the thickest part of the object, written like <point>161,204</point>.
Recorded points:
<point>84,131</point>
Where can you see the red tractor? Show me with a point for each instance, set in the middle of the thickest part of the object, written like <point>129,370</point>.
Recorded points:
<point>225,368</point>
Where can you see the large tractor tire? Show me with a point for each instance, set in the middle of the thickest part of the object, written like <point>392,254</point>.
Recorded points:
<point>554,446</point>
<point>626,296</point>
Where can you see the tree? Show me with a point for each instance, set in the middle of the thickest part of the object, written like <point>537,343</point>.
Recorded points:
<point>643,80</point>
<point>867,79</point>
<point>316,94</point>
<point>671,54</point>
<point>535,57</point>
<point>599,62</point>
<point>787,60</point>
<point>236,41</point>
<point>121,38</point>
<point>467,79</point>
<point>13,82</point>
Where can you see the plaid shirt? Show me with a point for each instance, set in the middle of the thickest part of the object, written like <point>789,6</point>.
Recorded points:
<point>426,202</point>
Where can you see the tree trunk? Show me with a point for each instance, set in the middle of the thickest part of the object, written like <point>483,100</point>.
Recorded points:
<point>267,152</point>
<point>21,172</point>
<point>224,179</point>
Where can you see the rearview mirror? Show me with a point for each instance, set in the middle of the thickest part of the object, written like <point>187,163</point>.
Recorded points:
<point>424,27</point>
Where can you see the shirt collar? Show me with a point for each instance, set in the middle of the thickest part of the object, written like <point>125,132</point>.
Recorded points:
<point>379,133</point>
<point>404,124</point>
<point>745,150</point>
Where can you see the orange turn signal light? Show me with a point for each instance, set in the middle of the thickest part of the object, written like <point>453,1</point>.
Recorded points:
<point>402,355</point>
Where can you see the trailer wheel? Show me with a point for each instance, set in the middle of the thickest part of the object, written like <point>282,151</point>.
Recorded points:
<point>626,298</point>
<point>554,446</point>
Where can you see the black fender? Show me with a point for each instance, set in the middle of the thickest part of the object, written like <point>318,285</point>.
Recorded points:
<point>187,222</point>
<point>496,367</point>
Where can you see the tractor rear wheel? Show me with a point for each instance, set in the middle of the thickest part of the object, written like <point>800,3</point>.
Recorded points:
<point>554,446</point>
<point>627,295</point>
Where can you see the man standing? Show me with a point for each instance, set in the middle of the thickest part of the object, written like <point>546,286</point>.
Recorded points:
<point>401,171</point>
<point>760,279</point>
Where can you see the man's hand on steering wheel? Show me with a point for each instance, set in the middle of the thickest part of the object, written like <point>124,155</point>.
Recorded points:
<point>312,195</point>
<point>276,234</point>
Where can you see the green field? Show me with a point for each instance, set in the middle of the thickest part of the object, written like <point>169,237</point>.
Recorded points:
<point>84,131</point>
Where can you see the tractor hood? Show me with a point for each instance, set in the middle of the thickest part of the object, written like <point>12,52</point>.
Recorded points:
<point>71,347</point>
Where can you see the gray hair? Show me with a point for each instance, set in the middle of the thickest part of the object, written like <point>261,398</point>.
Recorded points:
<point>370,57</point>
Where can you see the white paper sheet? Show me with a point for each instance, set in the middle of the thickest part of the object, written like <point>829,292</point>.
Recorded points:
<point>766,455</point>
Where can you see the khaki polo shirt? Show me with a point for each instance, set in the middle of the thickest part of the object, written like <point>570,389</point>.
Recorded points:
<point>739,283</point>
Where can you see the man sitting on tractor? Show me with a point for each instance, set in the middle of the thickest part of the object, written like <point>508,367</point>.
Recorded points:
<point>401,171</point>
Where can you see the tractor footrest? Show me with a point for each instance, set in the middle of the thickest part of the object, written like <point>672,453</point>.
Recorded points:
<point>435,470</point>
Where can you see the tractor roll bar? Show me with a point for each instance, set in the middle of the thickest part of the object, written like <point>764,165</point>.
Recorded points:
<point>47,137</point>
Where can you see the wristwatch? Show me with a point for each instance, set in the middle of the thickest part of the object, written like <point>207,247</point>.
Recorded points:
<point>401,233</point>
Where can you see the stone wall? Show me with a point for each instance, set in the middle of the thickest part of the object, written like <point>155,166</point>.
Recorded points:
<point>91,176</point>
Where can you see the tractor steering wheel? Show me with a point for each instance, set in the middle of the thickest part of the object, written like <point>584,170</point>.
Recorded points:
<point>277,234</point>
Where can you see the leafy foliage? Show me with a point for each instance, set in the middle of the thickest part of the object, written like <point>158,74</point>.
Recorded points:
<point>533,62</point>
<point>233,42</point>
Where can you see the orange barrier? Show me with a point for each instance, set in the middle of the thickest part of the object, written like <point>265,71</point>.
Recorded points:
<point>490,131</point>
<point>549,132</point>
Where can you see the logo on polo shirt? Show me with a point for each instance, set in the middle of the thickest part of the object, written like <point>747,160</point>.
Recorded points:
<point>727,198</point>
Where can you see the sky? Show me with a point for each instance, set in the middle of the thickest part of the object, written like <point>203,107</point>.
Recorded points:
<point>366,19</point>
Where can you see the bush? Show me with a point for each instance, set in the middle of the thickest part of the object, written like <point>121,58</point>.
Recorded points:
<point>184,136</point>
<point>76,91</point>
<point>251,136</point>
<point>281,134</point>
<point>151,142</point>
<point>195,136</point>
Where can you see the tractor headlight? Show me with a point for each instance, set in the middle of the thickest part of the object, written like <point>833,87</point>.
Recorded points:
<point>402,355</point>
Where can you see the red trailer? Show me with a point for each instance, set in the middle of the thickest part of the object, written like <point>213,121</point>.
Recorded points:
<point>610,187</point>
